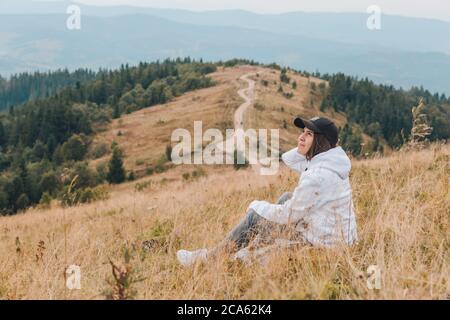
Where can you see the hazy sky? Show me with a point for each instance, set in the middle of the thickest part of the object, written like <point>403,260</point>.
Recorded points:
<point>438,9</point>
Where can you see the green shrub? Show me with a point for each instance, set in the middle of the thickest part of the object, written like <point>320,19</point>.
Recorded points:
<point>100,150</point>
<point>159,236</point>
<point>186,176</point>
<point>288,95</point>
<point>200,172</point>
<point>74,148</point>
<point>259,106</point>
<point>139,162</point>
<point>149,171</point>
<point>85,195</point>
<point>168,152</point>
<point>45,201</point>
<point>102,171</point>
<point>284,77</point>
<point>140,186</point>
<point>161,164</point>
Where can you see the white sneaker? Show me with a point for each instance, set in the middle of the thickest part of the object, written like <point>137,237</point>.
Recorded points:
<point>244,255</point>
<point>188,258</point>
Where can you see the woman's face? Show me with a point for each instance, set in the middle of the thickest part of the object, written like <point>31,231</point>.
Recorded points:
<point>305,141</point>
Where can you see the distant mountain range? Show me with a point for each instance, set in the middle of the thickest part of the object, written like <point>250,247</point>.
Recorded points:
<point>405,52</point>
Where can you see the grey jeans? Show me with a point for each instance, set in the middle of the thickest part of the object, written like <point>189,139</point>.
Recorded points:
<point>253,224</point>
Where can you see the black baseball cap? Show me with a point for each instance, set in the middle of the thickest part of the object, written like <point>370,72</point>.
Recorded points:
<point>320,125</point>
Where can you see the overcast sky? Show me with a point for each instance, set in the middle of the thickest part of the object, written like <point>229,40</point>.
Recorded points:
<point>437,9</point>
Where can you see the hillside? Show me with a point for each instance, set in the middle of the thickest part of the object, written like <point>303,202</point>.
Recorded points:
<point>144,135</point>
<point>402,206</point>
<point>401,200</point>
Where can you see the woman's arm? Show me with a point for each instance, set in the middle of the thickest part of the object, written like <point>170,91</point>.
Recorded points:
<point>294,160</point>
<point>304,198</point>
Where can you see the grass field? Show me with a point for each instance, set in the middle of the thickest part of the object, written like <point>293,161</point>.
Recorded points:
<point>402,207</point>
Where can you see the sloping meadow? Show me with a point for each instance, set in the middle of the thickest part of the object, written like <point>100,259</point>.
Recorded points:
<point>125,246</point>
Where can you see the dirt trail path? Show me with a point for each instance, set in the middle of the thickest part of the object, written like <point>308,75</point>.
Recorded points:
<point>248,94</point>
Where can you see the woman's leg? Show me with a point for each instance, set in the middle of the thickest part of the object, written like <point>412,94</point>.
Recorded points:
<point>238,238</point>
<point>268,234</point>
<point>251,225</point>
<point>241,234</point>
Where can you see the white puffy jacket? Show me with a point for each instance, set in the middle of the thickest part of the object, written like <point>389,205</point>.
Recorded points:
<point>321,204</point>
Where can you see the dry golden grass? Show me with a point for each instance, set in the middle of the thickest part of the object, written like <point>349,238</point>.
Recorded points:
<point>145,133</point>
<point>273,110</point>
<point>402,205</point>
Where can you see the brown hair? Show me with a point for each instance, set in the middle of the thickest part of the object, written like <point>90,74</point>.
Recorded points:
<point>320,144</point>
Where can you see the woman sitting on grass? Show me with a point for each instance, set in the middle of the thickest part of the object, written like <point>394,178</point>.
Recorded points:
<point>320,210</point>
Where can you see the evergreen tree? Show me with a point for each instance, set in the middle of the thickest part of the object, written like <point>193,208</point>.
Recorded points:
<point>116,172</point>
<point>283,76</point>
<point>22,202</point>
<point>51,116</point>
<point>39,150</point>
<point>2,136</point>
<point>169,152</point>
<point>49,183</point>
<point>294,85</point>
<point>74,148</point>
<point>350,140</point>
